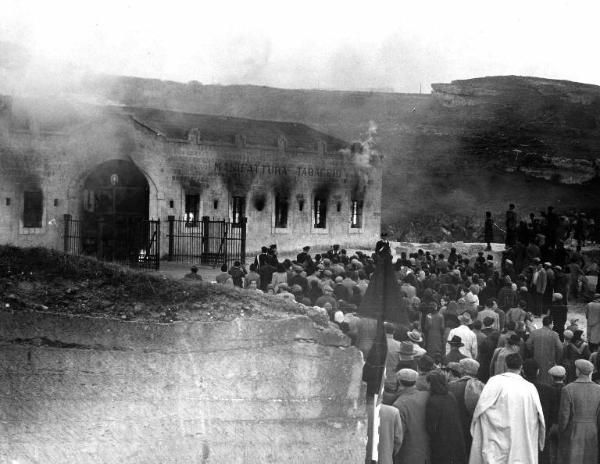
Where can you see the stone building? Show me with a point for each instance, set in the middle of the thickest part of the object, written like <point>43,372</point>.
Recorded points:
<point>293,184</point>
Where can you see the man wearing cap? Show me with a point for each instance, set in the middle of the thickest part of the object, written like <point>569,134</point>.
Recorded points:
<point>592,313</point>
<point>508,422</point>
<point>457,388</point>
<point>578,418</point>
<point>558,374</point>
<point>412,404</point>
<point>545,347</point>
<point>327,297</point>
<point>468,338</point>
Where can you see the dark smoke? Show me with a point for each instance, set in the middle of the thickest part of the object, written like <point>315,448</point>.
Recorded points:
<point>259,201</point>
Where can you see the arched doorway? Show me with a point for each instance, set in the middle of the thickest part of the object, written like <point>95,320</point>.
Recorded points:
<point>115,206</point>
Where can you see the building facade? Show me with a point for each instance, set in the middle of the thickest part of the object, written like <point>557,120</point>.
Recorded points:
<point>294,185</point>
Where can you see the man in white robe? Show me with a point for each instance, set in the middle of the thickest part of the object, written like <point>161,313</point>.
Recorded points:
<point>508,424</point>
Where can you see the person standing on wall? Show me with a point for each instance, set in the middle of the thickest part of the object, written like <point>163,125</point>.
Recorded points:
<point>511,226</point>
<point>488,230</point>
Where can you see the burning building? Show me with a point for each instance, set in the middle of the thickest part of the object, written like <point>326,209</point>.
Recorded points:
<point>288,184</point>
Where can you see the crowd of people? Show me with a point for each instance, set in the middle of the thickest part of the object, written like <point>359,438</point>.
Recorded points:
<point>471,377</point>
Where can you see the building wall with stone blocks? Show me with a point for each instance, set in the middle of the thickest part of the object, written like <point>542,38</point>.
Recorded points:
<point>89,390</point>
<point>224,169</point>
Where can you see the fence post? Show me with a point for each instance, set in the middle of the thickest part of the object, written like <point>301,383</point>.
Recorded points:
<point>171,220</point>
<point>243,241</point>
<point>157,229</point>
<point>67,231</point>
<point>204,250</point>
<point>99,240</point>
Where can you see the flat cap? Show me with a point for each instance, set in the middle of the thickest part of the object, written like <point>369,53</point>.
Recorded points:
<point>469,366</point>
<point>557,371</point>
<point>584,366</point>
<point>408,375</point>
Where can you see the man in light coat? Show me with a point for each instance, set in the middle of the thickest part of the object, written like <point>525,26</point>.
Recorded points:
<point>508,423</point>
<point>412,404</point>
<point>546,348</point>
<point>578,418</point>
<point>539,282</point>
<point>592,314</point>
<point>390,434</point>
<point>467,336</point>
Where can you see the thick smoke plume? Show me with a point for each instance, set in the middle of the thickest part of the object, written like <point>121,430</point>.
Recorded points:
<point>363,155</point>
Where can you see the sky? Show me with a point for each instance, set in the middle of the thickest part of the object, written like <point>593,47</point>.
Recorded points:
<point>394,45</point>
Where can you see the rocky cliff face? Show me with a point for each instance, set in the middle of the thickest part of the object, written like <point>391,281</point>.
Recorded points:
<point>470,146</point>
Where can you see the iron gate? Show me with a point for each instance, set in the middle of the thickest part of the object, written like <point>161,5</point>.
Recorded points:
<point>209,241</point>
<point>123,239</point>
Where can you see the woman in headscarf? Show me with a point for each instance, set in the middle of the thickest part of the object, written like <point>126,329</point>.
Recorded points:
<point>444,428</point>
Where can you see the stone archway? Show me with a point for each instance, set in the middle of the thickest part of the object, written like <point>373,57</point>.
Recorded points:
<point>115,201</point>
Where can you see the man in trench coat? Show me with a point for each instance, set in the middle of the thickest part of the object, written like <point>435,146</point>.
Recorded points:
<point>578,418</point>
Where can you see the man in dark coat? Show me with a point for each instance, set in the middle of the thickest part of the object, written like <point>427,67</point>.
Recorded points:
<point>558,311</point>
<point>457,388</point>
<point>548,401</point>
<point>265,271</point>
<point>511,226</point>
<point>237,273</point>
<point>488,230</point>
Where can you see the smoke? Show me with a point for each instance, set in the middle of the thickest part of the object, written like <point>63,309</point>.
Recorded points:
<point>364,156</point>
<point>259,200</point>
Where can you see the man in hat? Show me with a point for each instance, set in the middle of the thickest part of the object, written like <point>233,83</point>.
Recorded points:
<point>406,356</point>
<point>383,246</point>
<point>531,371</point>
<point>592,314</point>
<point>508,422</point>
<point>468,338</point>
<point>546,348</point>
<point>454,355</point>
<point>578,418</point>
<point>303,256</point>
<point>457,388</point>
<point>327,297</point>
<point>412,403</point>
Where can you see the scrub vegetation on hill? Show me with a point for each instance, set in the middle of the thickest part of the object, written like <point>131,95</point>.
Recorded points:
<point>47,280</point>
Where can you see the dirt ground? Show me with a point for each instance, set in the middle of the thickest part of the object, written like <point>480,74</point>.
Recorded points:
<point>45,280</point>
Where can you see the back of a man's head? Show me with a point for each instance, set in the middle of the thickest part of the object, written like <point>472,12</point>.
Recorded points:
<point>547,320</point>
<point>514,361</point>
<point>530,369</point>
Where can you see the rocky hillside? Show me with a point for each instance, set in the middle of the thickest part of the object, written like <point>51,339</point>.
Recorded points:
<point>469,146</point>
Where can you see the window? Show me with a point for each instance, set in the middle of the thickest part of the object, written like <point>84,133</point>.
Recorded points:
<point>281,211</point>
<point>192,209</point>
<point>320,212</point>
<point>356,207</point>
<point>33,209</point>
<point>239,209</point>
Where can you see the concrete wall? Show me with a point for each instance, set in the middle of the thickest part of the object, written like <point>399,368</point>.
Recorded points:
<point>77,389</point>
